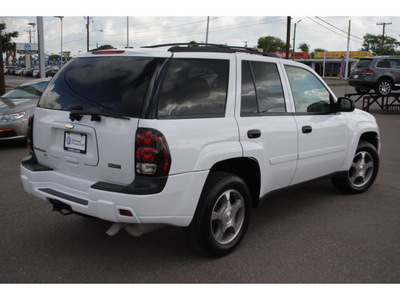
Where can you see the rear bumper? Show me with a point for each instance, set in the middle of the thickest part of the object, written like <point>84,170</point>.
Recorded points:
<point>174,205</point>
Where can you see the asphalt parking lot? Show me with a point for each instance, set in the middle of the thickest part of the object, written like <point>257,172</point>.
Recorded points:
<point>312,234</point>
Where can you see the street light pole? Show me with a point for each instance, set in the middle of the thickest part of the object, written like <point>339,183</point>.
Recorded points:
<point>61,53</point>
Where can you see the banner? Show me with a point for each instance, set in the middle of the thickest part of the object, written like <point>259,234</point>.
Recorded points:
<point>341,68</point>
<point>297,55</point>
<point>339,54</point>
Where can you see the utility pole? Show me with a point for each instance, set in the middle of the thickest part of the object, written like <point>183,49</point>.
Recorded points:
<point>208,24</point>
<point>127,32</point>
<point>87,30</point>
<point>288,37</point>
<point>383,33</point>
<point>346,70</point>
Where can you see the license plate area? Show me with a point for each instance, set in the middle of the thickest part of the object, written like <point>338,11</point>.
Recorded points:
<point>75,142</point>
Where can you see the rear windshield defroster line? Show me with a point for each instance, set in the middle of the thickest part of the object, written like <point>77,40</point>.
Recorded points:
<point>114,85</point>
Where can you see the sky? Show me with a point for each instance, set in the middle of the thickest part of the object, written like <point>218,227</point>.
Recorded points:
<point>180,21</point>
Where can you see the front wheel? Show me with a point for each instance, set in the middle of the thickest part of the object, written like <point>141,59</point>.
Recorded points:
<point>222,215</point>
<point>362,172</point>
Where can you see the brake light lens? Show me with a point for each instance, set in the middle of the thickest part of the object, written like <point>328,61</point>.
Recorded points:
<point>367,71</point>
<point>108,51</point>
<point>152,153</point>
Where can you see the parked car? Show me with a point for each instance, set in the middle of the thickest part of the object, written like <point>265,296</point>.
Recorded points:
<point>381,73</point>
<point>53,71</point>
<point>11,70</point>
<point>28,72</point>
<point>18,72</point>
<point>36,73</point>
<point>17,106</point>
<point>191,137</point>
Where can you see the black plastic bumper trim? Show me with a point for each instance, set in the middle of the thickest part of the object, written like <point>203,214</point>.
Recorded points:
<point>64,196</point>
<point>140,186</point>
<point>30,162</point>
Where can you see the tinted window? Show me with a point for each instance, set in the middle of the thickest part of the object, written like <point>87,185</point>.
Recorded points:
<point>383,63</point>
<point>395,63</point>
<point>194,88</point>
<point>364,63</point>
<point>109,84</point>
<point>261,88</point>
<point>309,94</point>
<point>249,100</point>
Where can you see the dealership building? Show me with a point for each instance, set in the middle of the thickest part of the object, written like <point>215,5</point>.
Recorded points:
<point>328,64</point>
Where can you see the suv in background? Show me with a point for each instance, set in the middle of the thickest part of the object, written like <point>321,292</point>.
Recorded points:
<point>381,73</point>
<point>191,137</point>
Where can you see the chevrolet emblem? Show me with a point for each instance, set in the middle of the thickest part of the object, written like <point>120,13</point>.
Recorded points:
<point>69,126</point>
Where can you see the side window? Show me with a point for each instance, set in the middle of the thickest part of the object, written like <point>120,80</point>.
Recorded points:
<point>383,63</point>
<point>395,63</point>
<point>309,94</point>
<point>194,88</point>
<point>261,89</point>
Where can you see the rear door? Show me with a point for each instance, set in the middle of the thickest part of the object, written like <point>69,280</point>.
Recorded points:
<point>86,120</point>
<point>395,70</point>
<point>268,131</point>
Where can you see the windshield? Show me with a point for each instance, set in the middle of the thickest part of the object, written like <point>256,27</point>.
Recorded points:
<point>32,90</point>
<point>115,85</point>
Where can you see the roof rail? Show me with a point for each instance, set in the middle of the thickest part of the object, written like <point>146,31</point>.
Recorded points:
<point>206,47</point>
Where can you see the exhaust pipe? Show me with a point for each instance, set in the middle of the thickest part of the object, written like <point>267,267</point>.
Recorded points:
<point>135,230</point>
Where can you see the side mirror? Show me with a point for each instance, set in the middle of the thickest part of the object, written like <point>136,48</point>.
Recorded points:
<point>345,104</point>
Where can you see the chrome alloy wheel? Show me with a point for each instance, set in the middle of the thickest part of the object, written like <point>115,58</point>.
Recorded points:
<point>361,169</point>
<point>227,216</point>
<point>384,88</point>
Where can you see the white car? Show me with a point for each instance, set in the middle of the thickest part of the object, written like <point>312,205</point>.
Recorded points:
<point>191,137</point>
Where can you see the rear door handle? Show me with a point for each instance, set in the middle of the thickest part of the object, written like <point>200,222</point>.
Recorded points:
<point>253,134</point>
<point>306,129</point>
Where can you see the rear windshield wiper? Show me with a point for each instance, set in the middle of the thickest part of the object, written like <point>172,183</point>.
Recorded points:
<point>95,116</point>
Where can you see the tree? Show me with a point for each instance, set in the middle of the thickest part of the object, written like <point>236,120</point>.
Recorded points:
<point>271,44</point>
<point>304,47</point>
<point>318,50</point>
<point>7,46</point>
<point>104,47</point>
<point>373,43</point>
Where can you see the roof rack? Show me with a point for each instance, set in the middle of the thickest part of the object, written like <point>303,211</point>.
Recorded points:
<point>206,47</point>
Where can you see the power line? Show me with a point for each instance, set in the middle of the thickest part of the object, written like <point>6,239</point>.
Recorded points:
<point>333,30</point>
<point>339,28</point>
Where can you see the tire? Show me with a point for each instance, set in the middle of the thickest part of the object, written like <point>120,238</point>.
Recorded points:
<point>362,172</point>
<point>384,87</point>
<point>222,215</point>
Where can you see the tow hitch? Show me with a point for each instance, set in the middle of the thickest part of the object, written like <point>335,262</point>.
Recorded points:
<point>61,207</point>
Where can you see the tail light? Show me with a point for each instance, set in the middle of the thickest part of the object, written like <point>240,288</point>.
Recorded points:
<point>152,153</point>
<point>29,133</point>
<point>367,71</point>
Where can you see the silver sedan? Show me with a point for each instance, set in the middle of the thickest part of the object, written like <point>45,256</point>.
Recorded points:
<point>17,106</point>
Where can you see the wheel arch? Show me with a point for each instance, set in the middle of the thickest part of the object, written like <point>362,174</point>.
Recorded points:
<point>246,168</point>
<point>372,138</point>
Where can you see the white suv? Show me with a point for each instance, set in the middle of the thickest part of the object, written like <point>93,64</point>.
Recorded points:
<point>192,137</point>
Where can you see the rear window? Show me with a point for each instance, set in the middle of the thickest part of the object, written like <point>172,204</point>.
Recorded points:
<point>364,63</point>
<point>114,85</point>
